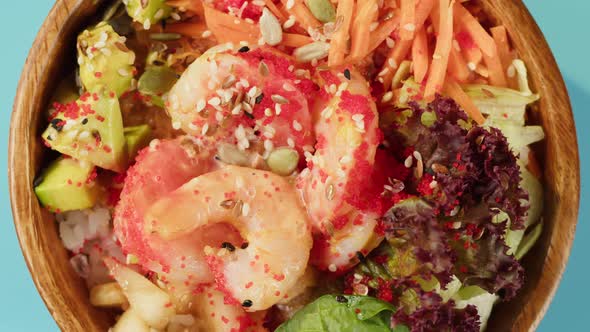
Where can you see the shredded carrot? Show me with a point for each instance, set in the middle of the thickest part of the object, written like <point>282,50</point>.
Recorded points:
<point>423,10</point>
<point>453,90</point>
<point>408,19</point>
<point>444,43</point>
<point>396,55</point>
<point>420,55</point>
<point>495,70</point>
<point>228,28</point>
<point>480,36</point>
<point>473,55</point>
<point>381,33</point>
<point>339,43</point>
<point>533,166</point>
<point>192,29</point>
<point>360,35</point>
<point>457,66</point>
<point>275,10</point>
<point>501,39</point>
<point>295,40</point>
<point>302,15</point>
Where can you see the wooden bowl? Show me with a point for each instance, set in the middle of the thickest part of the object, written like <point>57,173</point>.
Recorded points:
<point>65,294</point>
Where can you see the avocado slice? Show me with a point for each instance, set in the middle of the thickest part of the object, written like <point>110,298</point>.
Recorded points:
<point>148,12</point>
<point>104,59</point>
<point>90,129</point>
<point>137,137</point>
<point>68,184</point>
<point>156,81</point>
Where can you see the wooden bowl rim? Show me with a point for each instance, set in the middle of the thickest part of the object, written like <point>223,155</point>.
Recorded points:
<point>15,159</point>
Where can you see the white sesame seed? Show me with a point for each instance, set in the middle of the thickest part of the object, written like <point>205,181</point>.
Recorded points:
<point>218,116</point>
<point>290,4</point>
<point>408,162</point>
<point>175,16</point>
<point>290,68</point>
<point>205,129</point>
<point>245,209</point>
<point>236,21</point>
<point>249,20</point>
<point>240,133</point>
<point>387,97</point>
<point>360,126</point>
<point>333,88</point>
<point>389,42</point>
<point>215,101</point>
<point>436,56</point>
<point>345,159</point>
<point>343,86</point>
<point>471,66</point>
<point>243,43</point>
<point>410,27</point>
<point>289,23</point>
<point>106,51</point>
<point>206,34</point>
<point>511,71</point>
<point>80,60</point>
<point>297,126</point>
<point>253,92</point>
<point>201,105</point>
<point>433,184</point>
<point>358,117</point>
<point>417,155</point>
<point>103,36</point>
<point>267,112</point>
<point>332,268</point>
<point>327,112</point>
<point>85,134</point>
<point>308,156</point>
<point>154,143</point>
<point>123,72</point>
<point>391,63</point>
<point>288,87</point>
<point>147,24</point>
<point>278,109</point>
<point>100,44</point>
<point>268,145</point>
<point>159,14</point>
<point>290,142</point>
<point>176,125</point>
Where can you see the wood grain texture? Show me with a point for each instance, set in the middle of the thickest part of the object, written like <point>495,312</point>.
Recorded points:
<point>65,294</point>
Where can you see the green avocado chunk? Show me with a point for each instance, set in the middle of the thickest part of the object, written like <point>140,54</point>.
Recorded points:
<point>104,59</point>
<point>90,129</point>
<point>137,137</point>
<point>148,12</point>
<point>155,82</point>
<point>68,184</point>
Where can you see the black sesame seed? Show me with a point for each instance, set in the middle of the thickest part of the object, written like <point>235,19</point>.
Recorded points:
<point>247,303</point>
<point>341,299</point>
<point>84,121</point>
<point>244,49</point>
<point>37,181</point>
<point>249,115</point>
<point>259,98</point>
<point>57,124</point>
<point>244,245</point>
<point>347,74</point>
<point>228,246</point>
<point>360,256</point>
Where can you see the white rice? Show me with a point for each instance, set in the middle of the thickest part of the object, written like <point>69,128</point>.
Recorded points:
<point>80,226</point>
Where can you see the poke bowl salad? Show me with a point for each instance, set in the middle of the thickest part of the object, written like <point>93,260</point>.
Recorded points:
<point>288,165</point>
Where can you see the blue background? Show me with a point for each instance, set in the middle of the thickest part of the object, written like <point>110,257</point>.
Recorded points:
<point>21,308</point>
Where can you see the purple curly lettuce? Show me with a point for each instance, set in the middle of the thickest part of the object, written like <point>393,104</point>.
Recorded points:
<point>476,174</point>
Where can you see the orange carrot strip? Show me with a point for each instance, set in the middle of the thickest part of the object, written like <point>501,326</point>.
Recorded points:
<point>408,18</point>
<point>302,15</point>
<point>360,36</point>
<point>295,40</point>
<point>275,10</point>
<point>339,43</point>
<point>423,10</point>
<point>420,55</point>
<point>495,70</point>
<point>483,40</point>
<point>473,56</point>
<point>382,32</point>
<point>228,28</point>
<point>457,66</point>
<point>453,90</point>
<point>501,39</point>
<point>192,29</point>
<point>396,55</point>
<point>440,59</point>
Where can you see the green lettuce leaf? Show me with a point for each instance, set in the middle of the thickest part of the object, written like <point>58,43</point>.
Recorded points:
<point>343,313</point>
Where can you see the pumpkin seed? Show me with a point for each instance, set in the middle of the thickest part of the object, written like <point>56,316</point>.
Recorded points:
<point>323,10</point>
<point>283,161</point>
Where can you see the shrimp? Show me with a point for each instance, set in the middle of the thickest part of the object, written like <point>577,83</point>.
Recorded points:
<point>333,185</point>
<point>248,98</point>
<point>258,271</point>
<point>145,183</point>
<point>213,314</point>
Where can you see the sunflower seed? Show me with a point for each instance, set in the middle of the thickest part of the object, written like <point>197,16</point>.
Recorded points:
<point>270,28</point>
